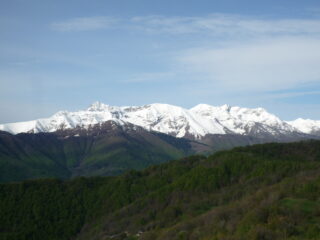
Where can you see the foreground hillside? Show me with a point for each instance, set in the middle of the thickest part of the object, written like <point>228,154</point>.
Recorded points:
<point>268,191</point>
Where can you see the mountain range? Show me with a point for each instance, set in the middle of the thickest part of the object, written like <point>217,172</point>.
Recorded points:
<point>194,123</point>
<point>105,140</point>
<point>264,191</point>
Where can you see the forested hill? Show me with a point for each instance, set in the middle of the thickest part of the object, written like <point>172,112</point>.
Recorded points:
<point>269,191</point>
<point>103,150</point>
<point>106,149</point>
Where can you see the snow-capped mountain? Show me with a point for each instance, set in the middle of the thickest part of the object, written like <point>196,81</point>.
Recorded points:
<point>173,120</point>
<point>244,121</point>
<point>307,126</point>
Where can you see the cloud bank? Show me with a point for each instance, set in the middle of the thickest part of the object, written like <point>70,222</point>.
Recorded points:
<point>239,52</point>
<point>269,64</point>
<point>224,24</point>
<point>242,53</point>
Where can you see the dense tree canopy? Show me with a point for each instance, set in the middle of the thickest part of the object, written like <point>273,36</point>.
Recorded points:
<point>269,191</point>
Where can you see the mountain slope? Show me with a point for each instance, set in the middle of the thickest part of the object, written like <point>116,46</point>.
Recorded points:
<point>102,149</point>
<point>266,191</point>
<point>194,123</point>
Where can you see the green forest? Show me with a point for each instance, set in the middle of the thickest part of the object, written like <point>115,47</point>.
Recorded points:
<point>267,191</point>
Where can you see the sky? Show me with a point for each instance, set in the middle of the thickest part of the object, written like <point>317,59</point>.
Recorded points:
<point>65,55</point>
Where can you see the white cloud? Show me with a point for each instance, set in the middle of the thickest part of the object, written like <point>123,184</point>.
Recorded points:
<point>240,53</point>
<point>160,24</point>
<point>222,24</point>
<point>271,64</point>
<point>237,53</point>
<point>85,24</point>
<point>214,24</point>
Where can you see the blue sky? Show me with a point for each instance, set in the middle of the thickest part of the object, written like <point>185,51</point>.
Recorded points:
<point>64,55</point>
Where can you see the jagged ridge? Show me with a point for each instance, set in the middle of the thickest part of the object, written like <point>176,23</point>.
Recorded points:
<point>196,122</point>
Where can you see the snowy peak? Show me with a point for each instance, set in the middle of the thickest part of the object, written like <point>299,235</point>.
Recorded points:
<point>163,118</point>
<point>196,122</point>
<point>98,107</point>
<point>242,120</point>
<point>307,126</point>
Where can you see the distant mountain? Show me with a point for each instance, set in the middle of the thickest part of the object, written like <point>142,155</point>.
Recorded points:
<point>194,123</point>
<point>103,149</point>
<point>105,140</point>
<point>307,126</point>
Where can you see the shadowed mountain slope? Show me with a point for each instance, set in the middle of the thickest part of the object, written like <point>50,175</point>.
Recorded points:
<point>104,149</point>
